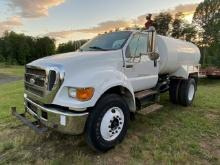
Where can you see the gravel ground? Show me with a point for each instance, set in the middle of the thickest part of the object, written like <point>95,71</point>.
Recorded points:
<point>7,79</point>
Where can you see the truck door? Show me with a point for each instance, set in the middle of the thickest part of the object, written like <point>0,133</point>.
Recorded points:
<point>141,71</point>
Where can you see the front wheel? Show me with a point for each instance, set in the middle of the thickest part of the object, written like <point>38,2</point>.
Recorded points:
<point>107,123</point>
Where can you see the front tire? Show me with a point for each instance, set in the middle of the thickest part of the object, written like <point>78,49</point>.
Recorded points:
<point>107,123</point>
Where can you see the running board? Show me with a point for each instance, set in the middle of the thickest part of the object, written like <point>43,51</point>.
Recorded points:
<point>36,125</point>
<point>143,94</point>
<point>146,98</point>
<point>150,109</point>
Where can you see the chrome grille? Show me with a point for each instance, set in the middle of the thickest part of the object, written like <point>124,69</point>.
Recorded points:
<point>39,72</point>
<point>34,90</point>
<point>39,80</point>
<point>42,83</point>
<point>35,81</point>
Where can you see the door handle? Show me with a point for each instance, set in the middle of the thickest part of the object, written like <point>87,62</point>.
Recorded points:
<point>129,66</point>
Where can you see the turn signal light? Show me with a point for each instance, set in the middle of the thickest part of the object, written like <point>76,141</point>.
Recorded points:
<point>82,94</point>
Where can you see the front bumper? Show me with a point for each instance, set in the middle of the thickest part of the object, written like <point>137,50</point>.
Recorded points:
<point>57,119</point>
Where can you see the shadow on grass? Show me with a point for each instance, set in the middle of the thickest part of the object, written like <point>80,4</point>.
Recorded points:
<point>209,81</point>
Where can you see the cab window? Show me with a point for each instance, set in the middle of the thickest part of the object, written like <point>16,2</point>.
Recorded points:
<point>137,46</point>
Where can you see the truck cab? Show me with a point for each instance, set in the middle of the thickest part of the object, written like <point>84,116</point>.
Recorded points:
<point>97,89</point>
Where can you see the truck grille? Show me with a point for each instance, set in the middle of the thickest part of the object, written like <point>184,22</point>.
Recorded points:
<point>42,83</point>
<point>35,81</point>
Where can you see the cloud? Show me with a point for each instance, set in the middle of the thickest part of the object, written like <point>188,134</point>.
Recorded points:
<point>100,28</point>
<point>60,34</point>
<point>111,25</point>
<point>10,24</point>
<point>34,8</point>
<point>186,9</point>
<point>106,26</point>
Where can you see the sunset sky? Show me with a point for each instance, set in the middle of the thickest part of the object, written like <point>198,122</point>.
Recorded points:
<point>78,19</point>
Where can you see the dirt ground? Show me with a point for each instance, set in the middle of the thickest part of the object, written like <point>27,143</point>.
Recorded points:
<point>7,79</point>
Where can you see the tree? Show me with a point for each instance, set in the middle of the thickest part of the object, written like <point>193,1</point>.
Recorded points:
<point>177,26</point>
<point>45,46</point>
<point>20,49</point>
<point>70,46</point>
<point>2,59</point>
<point>213,58</point>
<point>162,23</point>
<point>207,17</point>
<point>183,30</point>
<point>189,32</point>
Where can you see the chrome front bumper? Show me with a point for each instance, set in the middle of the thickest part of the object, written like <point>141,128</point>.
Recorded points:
<point>62,121</point>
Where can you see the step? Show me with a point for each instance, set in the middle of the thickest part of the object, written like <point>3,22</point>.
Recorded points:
<point>142,94</point>
<point>150,109</point>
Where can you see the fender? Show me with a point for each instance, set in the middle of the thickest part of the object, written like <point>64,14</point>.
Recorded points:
<point>100,79</point>
<point>185,70</point>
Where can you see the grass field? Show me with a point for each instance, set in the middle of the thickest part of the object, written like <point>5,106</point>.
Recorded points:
<point>173,135</point>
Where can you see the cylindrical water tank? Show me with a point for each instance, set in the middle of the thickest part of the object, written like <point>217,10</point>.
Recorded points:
<point>174,53</point>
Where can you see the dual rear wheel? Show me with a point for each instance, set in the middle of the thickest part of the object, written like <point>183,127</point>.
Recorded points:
<point>182,91</point>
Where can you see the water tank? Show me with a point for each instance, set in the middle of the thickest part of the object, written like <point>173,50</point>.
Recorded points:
<point>174,53</point>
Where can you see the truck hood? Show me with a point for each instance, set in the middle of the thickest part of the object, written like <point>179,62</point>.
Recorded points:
<point>72,57</point>
<point>75,63</point>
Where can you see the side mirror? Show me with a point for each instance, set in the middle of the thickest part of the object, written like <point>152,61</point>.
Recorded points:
<point>154,56</point>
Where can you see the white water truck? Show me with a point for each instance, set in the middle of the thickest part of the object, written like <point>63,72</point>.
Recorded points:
<point>99,88</point>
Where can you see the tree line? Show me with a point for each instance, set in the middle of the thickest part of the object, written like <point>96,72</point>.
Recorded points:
<point>204,31</point>
<point>21,49</point>
<point>70,46</point>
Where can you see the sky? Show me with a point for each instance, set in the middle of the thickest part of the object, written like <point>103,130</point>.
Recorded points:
<point>82,19</point>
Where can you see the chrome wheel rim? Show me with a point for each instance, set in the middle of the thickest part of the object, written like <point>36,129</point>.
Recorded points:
<point>191,92</point>
<point>112,124</point>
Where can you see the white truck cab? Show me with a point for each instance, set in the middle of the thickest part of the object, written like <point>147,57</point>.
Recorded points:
<point>97,89</point>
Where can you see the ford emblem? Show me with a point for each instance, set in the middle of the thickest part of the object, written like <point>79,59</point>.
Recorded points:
<point>32,81</point>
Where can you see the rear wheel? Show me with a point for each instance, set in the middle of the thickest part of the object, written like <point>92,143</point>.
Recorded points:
<point>187,92</point>
<point>174,90</point>
<point>107,123</point>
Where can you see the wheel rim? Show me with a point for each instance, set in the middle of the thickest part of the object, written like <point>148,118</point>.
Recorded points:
<point>112,123</point>
<point>191,92</point>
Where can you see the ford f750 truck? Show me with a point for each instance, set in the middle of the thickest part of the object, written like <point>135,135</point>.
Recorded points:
<point>97,89</point>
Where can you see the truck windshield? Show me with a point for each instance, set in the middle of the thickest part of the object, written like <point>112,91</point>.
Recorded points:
<point>107,42</point>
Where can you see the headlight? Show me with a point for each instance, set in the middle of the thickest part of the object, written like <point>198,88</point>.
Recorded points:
<point>72,92</point>
<point>82,94</point>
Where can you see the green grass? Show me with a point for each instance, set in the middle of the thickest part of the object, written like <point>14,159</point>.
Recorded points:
<point>11,70</point>
<point>173,135</point>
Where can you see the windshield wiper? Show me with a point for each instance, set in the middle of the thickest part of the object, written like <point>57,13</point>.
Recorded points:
<point>98,48</point>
